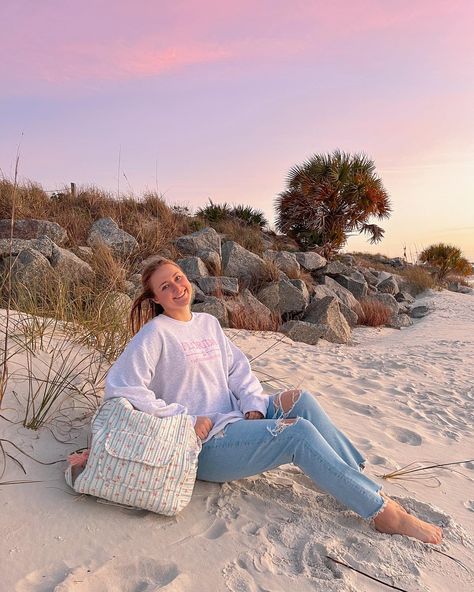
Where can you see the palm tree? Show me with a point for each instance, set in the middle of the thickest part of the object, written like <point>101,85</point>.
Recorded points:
<point>329,197</point>
<point>446,259</point>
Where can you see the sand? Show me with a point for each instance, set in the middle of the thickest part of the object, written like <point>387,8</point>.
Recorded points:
<point>402,396</point>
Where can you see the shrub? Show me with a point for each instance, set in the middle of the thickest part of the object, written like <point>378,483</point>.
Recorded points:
<point>446,259</point>
<point>375,313</point>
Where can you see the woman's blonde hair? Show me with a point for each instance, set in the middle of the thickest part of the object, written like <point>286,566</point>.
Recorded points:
<point>143,307</point>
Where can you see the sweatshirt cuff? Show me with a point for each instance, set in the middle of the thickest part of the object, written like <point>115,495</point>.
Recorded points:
<point>256,403</point>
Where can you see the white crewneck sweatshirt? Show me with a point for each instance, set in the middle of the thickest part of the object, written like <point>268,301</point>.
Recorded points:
<point>171,367</point>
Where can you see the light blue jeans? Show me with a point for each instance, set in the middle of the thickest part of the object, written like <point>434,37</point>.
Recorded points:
<point>312,443</point>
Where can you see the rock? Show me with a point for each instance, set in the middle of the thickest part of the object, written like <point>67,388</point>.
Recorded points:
<point>131,289</point>
<point>310,261</point>
<point>404,297</point>
<point>215,307</point>
<point>193,268</point>
<point>302,331</point>
<point>301,286</point>
<point>388,300</point>
<point>398,321</point>
<point>246,304</point>
<point>369,277</point>
<point>84,253</point>
<point>282,296</point>
<point>458,287</point>
<point>397,262</point>
<point>350,315</point>
<point>31,229</point>
<point>242,264</point>
<point>117,303</point>
<point>211,259</point>
<point>43,245</point>
<point>343,294</point>
<point>285,261</point>
<point>29,269</point>
<point>70,267</point>
<point>388,286</point>
<point>136,279</point>
<point>326,314</point>
<point>201,240</point>
<point>198,294</point>
<point>419,312</point>
<point>217,286</point>
<point>107,232</point>
<point>334,268</point>
<point>355,285</point>
<point>346,259</point>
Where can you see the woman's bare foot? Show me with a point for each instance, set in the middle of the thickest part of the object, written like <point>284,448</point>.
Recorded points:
<point>395,520</point>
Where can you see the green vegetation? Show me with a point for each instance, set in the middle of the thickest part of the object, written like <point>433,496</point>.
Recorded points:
<point>446,259</point>
<point>330,196</point>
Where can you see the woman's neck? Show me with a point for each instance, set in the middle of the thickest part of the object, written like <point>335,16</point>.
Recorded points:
<point>184,315</point>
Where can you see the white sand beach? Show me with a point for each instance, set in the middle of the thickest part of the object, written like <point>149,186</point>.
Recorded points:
<point>403,396</point>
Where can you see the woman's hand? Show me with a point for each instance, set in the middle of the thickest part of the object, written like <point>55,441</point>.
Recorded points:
<point>203,426</point>
<point>253,415</point>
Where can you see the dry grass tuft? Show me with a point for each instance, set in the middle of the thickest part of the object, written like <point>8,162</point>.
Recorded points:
<point>418,279</point>
<point>375,313</point>
<point>241,318</point>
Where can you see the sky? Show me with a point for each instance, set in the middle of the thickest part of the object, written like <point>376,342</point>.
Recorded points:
<point>216,100</point>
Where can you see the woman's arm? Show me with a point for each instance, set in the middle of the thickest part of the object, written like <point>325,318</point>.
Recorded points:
<point>243,383</point>
<point>130,377</point>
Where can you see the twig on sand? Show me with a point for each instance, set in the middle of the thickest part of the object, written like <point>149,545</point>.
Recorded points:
<point>458,561</point>
<point>366,575</point>
<point>17,482</point>
<point>411,473</point>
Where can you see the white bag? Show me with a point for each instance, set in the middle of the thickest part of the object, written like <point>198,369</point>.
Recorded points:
<point>140,460</point>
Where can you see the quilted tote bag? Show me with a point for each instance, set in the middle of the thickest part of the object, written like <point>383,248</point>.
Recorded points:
<point>140,460</point>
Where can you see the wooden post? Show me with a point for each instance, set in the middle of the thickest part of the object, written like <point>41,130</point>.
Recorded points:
<point>73,189</point>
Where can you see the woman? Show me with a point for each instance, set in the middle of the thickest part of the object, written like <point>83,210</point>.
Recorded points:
<point>182,362</point>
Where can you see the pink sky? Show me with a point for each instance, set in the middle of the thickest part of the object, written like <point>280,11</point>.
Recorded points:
<point>212,99</point>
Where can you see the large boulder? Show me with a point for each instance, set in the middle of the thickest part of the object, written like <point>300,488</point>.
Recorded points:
<point>302,287</point>
<point>399,321</point>
<point>240,263</point>
<point>388,286</point>
<point>388,300</point>
<point>70,267</point>
<point>326,314</point>
<point>218,286</point>
<point>193,267</point>
<point>214,306</point>
<point>29,269</point>
<point>343,294</point>
<point>355,284</point>
<point>43,245</point>
<point>282,296</point>
<point>404,297</point>
<point>31,229</point>
<point>285,261</point>
<point>245,304</point>
<point>310,261</point>
<point>204,239</point>
<point>418,312</point>
<point>212,260</point>
<point>105,231</point>
<point>301,331</point>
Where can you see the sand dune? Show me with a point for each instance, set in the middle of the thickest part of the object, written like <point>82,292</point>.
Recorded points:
<point>402,396</point>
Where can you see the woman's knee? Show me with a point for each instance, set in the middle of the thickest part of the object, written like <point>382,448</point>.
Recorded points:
<point>287,400</point>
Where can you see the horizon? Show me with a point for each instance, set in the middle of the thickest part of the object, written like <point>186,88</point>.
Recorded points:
<point>203,100</point>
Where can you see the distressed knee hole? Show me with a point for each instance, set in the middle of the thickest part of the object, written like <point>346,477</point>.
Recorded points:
<point>287,400</point>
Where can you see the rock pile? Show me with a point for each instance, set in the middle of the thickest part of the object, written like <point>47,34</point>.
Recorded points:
<point>324,306</point>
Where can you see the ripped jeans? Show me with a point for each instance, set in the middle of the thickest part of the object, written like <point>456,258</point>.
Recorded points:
<point>311,442</point>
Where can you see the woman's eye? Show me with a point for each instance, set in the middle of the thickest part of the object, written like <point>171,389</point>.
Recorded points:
<point>164,288</point>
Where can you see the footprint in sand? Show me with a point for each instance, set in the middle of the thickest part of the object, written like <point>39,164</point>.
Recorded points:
<point>405,436</point>
<point>361,408</point>
<point>142,575</point>
<point>469,505</point>
<point>216,530</point>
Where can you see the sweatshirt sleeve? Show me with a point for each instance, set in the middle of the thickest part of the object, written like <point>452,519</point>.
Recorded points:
<point>130,377</point>
<point>243,383</point>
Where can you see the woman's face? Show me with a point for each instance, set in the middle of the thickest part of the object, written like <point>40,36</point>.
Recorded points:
<point>171,289</point>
